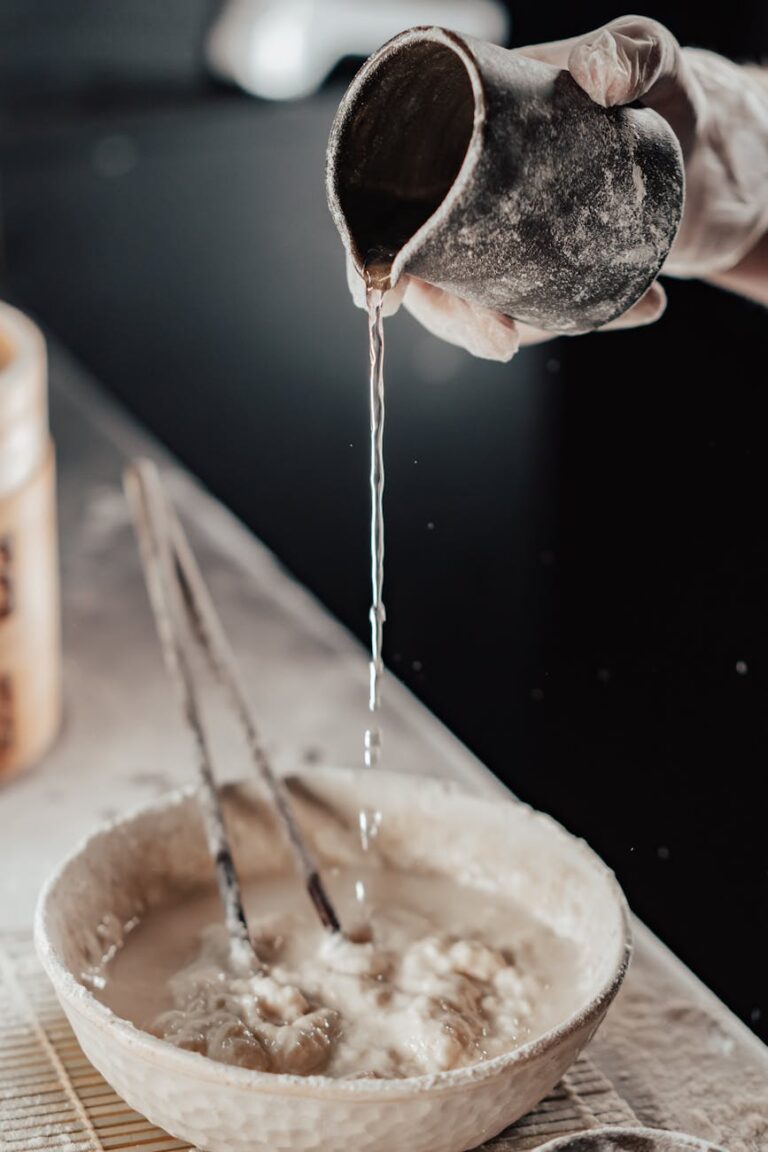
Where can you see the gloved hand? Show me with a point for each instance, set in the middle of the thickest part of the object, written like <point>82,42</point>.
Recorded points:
<point>719,112</point>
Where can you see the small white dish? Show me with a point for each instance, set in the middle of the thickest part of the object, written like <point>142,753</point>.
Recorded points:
<point>426,825</point>
<point>629,1140</point>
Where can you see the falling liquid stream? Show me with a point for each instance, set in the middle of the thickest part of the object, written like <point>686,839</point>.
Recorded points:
<point>375,288</point>
<point>375,301</point>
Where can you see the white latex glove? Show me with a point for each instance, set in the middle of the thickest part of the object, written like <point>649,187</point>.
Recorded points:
<point>719,112</point>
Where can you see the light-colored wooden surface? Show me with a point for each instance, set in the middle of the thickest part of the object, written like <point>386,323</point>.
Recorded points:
<point>675,1055</point>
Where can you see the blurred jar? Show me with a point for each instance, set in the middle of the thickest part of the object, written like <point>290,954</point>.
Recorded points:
<point>30,674</point>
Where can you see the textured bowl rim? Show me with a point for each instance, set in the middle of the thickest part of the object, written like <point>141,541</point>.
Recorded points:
<point>77,996</point>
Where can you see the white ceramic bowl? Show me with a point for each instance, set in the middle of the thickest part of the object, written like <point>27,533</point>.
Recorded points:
<point>426,826</point>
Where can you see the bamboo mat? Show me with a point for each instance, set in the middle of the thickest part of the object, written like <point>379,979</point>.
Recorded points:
<point>53,1100</point>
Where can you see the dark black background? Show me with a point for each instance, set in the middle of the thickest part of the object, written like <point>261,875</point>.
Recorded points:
<point>589,608</point>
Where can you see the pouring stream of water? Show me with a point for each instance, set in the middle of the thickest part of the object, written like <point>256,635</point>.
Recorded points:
<point>375,301</point>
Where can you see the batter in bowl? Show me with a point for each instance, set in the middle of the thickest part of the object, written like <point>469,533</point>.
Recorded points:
<point>432,975</point>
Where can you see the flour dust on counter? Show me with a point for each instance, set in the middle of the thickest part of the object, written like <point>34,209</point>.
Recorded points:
<point>436,975</point>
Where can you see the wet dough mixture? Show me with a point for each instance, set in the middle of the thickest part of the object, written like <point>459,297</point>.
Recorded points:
<point>431,976</point>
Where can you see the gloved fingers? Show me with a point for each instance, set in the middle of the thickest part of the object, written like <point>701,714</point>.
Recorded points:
<point>623,49</point>
<point>617,63</point>
<point>529,335</point>
<point>392,299</point>
<point>355,284</point>
<point>648,309</point>
<point>632,58</point>
<point>480,331</point>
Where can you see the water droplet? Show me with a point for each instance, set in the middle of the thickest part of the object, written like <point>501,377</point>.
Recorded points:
<point>537,695</point>
<point>417,665</point>
<point>372,747</point>
<point>369,823</point>
<point>662,852</point>
<point>742,667</point>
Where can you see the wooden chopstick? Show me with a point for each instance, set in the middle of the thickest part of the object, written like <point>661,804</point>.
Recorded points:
<point>213,641</point>
<point>150,516</point>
